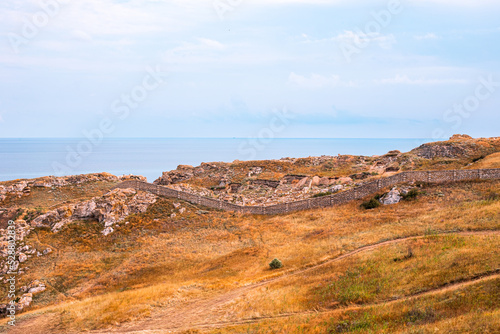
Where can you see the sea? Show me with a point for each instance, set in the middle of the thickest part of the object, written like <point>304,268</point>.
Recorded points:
<point>28,158</point>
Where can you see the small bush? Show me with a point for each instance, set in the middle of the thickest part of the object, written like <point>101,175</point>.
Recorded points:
<point>478,158</point>
<point>492,196</point>
<point>420,316</point>
<point>275,264</point>
<point>371,204</point>
<point>322,194</point>
<point>412,194</point>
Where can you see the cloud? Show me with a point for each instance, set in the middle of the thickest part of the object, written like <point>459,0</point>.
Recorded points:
<point>211,44</point>
<point>405,80</point>
<point>316,81</point>
<point>81,36</point>
<point>358,38</point>
<point>426,36</point>
<point>361,38</point>
<point>203,50</point>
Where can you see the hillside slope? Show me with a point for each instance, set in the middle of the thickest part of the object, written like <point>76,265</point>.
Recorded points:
<point>429,263</point>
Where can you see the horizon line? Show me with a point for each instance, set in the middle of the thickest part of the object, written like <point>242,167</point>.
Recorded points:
<point>78,138</point>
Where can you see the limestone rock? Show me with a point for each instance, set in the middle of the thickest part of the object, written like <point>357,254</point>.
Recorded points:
<point>36,287</point>
<point>302,183</point>
<point>85,209</point>
<point>324,181</point>
<point>109,210</point>
<point>393,197</point>
<point>22,257</point>
<point>25,301</point>
<point>107,231</point>
<point>336,188</point>
<point>315,181</point>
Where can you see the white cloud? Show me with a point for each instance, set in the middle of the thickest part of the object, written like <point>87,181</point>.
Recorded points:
<point>81,36</point>
<point>356,38</point>
<point>315,81</point>
<point>405,80</point>
<point>426,36</point>
<point>211,44</point>
<point>194,52</point>
<point>360,38</point>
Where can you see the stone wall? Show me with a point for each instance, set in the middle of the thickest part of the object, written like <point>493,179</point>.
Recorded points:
<point>362,191</point>
<point>267,183</point>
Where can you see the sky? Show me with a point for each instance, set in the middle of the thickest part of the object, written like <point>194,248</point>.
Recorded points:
<point>249,68</point>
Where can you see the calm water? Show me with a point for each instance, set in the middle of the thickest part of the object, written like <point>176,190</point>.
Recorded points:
<point>31,158</point>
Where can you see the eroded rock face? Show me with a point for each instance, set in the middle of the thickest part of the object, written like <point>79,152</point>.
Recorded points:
<point>109,210</point>
<point>173,177</point>
<point>459,146</point>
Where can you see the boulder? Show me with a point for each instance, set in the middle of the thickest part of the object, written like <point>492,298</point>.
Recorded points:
<point>85,209</point>
<point>345,180</point>
<point>36,287</point>
<point>107,231</point>
<point>22,257</point>
<point>324,181</point>
<point>24,301</point>
<point>315,181</point>
<point>393,197</point>
<point>302,183</point>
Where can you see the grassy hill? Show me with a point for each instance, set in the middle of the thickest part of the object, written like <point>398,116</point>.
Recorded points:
<point>427,264</point>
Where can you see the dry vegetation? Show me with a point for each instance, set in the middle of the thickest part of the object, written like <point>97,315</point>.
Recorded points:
<point>157,262</point>
<point>429,264</point>
<point>45,198</point>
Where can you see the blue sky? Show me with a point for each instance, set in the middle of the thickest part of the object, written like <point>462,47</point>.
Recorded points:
<point>224,68</point>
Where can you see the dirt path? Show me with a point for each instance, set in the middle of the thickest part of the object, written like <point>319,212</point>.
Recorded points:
<point>221,324</point>
<point>207,313</point>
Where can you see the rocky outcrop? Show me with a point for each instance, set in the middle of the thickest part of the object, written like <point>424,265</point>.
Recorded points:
<point>220,173</point>
<point>25,300</point>
<point>23,187</point>
<point>459,146</point>
<point>393,197</point>
<point>109,210</point>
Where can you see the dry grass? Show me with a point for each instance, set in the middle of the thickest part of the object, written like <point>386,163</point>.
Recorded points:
<point>391,272</point>
<point>490,161</point>
<point>45,198</point>
<point>472,309</point>
<point>156,261</point>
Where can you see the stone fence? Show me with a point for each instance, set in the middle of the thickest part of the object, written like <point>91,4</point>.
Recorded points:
<point>343,197</point>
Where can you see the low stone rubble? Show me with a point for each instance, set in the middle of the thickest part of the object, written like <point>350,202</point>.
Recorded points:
<point>287,189</point>
<point>109,210</point>
<point>23,187</point>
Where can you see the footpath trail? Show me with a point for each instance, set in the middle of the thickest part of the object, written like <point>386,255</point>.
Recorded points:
<point>207,313</point>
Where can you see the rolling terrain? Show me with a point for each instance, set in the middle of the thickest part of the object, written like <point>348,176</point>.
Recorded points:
<point>427,264</point>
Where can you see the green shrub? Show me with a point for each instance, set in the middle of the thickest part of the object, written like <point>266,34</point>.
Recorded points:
<point>412,194</point>
<point>478,158</point>
<point>371,204</point>
<point>493,196</point>
<point>420,316</point>
<point>275,264</point>
<point>322,194</point>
